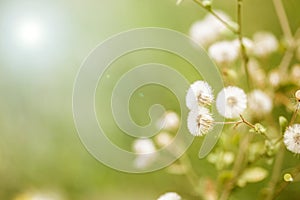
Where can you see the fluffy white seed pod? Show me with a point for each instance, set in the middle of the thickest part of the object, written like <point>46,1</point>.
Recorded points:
<point>143,146</point>
<point>292,138</point>
<point>200,121</point>
<point>224,52</point>
<point>259,103</point>
<point>170,196</point>
<point>265,43</point>
<point>208,30</point>
<point>231,102</point>
<point>199,93</point>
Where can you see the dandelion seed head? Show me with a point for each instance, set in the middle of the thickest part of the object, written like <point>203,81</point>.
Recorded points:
<point>292,138</point>
<point>208,30</point>
<point>143,146</point>
<point>170,196</point>
<point>297,95</point>
<point>274,78</point>
<point>224,52</point>
<point>231,102</point>
<point>259,103</point>
<point>199,93</point>
<point>256,72</point>
<point>163,139</point>
<point>200,121</point>
<point>295,73</point>
<point>202,33</point>
<point>170,121</point>
<point>265,43</point>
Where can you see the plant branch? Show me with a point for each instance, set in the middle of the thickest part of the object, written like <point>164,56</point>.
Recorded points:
<point>275,174</point>
<point>283,20</point>
<point>295,114</point>
<point>244,55</point>
<point>238,167</point>
<point>283,184</point>
<point>211,11</point>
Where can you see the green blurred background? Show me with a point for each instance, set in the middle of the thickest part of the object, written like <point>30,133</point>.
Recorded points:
<point>39,146</point>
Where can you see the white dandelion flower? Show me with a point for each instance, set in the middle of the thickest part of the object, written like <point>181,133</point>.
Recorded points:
<point>170,196</point>
<point>275,78</point>
<point>231,102</point>
<point>265,43</point>
<point>292,138</point>
<point>199,93</point>
<point>202,33</point>
<point>295,73</point>
<point>163,139</point>
<point>208,30</point>
<point>224,52</point>
<point>259,103</point>
<point>146,153</point>
<point>256,72</point>
<point>170,121</point>
<point>200,121</point>
<point>215,23</point>
<point>143,146</point>
<point>297,95</point>
<point>143,161</point>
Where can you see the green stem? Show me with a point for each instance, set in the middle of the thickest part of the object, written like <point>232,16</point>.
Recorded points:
<point>295,114</point>
<point>211,11</point>
<point>190,174</point>
<point>283,184</point>
<point>275,174</point>
<point>283,20</point>
<point>238,167</point>
<point>244,55</point>
<point>286,29</point>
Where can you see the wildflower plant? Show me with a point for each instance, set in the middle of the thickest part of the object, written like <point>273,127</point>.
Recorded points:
<point>256,137</point>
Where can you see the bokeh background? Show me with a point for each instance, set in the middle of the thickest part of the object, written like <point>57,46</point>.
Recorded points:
<point>39,146</point>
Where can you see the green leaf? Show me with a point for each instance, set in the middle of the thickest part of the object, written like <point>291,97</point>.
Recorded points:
<point>283,124</point>
<point>252,175</point>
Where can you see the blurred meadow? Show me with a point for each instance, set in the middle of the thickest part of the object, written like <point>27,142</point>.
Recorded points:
<point>40,150</point>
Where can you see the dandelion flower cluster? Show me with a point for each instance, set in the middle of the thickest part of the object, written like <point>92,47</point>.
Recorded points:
<point>170,196</point>
<point>198,98</point>
<point>231,102</point>
<point>292,138</point>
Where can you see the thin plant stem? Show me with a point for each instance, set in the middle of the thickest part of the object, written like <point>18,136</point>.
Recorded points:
<point>275,174</point>
<point>246,122</point>
<point>286,29</point>
<point>283,184</point>
<point>283,20</point>
<point>231,122</point>
<point>211,11</point>
<point>190,174</point>
<point>244,55</point>
<point>286,60</point>
<point>238,167</point>
<point>295,114</point>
